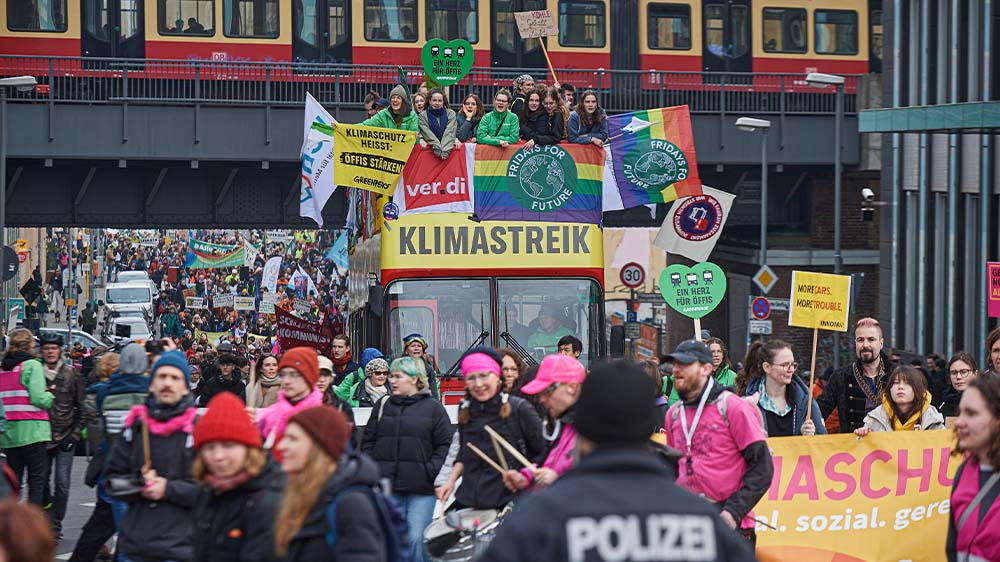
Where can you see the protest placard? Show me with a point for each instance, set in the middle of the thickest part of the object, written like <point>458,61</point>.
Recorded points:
<point>244,303</point>
<point>536,23</point>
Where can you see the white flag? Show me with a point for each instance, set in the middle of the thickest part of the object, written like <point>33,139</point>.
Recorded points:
<point>317,161</point>
<point>694,224</point>
<point>251,253</point>
<point>269,278</point>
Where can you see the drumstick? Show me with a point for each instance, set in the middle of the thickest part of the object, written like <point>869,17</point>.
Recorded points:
<point>499,450</point>
<point>511,449</point>
<point>486,458</point>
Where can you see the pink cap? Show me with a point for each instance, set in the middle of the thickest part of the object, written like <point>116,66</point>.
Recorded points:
<point>555,368</point>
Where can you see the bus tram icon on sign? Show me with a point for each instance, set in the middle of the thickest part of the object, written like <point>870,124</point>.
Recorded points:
<point>707,275</point>
<point>675,279</point>
<point>692,279</point>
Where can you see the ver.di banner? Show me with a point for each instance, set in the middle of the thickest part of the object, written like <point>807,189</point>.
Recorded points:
<point>881,498</point>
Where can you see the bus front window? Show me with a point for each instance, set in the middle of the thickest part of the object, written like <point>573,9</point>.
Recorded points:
<point>537,313</point>
<point>451,315</point>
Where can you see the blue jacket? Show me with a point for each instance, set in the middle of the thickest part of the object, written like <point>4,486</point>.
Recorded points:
<point>799,405</point>
<point>582,135</point>
<point>119,383</point>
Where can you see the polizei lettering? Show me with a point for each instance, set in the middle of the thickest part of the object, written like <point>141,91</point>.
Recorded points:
<point>657,537</point>
<point>493,240</point>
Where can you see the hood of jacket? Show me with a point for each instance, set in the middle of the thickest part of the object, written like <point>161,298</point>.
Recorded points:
<point>353,469</point>
<point>368,354</point>
<point>421,394</point>
<point>14,359</point>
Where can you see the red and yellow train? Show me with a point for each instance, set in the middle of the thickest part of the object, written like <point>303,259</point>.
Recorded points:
<point>781,36</point>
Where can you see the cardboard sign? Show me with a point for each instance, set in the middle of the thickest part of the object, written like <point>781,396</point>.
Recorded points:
<point>194,302</point>
<point>223,300</point>
<point>538,23</point>
<point>244,303</point>
<point>693,291</point>
<point>993,289</point>
<point>266,307</point>
<point>820,300</point>
<point>446,62</point>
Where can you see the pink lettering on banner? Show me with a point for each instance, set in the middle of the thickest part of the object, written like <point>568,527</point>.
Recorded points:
<point>844,478</point>
<point>429,181</point>
<point>866,475</point>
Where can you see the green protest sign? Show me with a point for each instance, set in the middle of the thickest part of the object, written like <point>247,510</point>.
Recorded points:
<point>446,62</point>
<point>693,291</point>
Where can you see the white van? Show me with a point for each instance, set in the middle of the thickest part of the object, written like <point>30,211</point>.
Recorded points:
<point>130,295</point>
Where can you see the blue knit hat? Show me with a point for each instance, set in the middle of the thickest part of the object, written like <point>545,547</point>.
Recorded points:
<point>173,359</point>
<point>414,337</point>
<point>369,353</point>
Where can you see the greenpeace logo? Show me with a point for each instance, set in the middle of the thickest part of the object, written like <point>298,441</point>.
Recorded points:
<point>657,537</point>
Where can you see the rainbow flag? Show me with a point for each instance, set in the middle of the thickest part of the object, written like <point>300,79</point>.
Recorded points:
<point>554,183</point>
<point>653,156</point>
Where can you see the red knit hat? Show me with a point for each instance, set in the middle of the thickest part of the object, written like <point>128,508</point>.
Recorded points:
<point>226,420</point>
<point>328,428</point>
<point>303,360</point>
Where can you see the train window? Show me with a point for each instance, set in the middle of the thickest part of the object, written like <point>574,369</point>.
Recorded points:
<point>505,34</point>
<point>391,20</point>
<point>669,27</point>
<point>785,30</point>
<point>187,17</point>
<point>250,18</point>
<point>836,32</point>
<point>877,34</point>
<point>36,15</point>
<point>581,24</point>
<point>337,10</point>
<point>716,23</point>
<point>453,19</point>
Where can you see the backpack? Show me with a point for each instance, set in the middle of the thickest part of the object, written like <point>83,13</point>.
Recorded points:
<point>391,517</point>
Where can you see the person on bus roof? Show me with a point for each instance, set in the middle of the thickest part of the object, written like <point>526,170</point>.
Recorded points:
<point>588,124</point>
<point>499,127</point>
<point>398,115</point>
<point>438,125</point>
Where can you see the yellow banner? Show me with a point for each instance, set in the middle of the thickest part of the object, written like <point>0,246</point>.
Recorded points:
<point>820,300</point>
<point>215,337</point>
<point>452,241</point>
<point>881,498</point>
<point>370,158</point>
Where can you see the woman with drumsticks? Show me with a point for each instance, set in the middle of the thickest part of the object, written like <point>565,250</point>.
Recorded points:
<point>512,419</point>
<point>557,386</point>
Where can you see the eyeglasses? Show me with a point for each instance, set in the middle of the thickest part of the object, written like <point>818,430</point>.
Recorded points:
<point>550,389</point>
<point>787,366</point>
<point>961,373</point>
<point>383,373</point>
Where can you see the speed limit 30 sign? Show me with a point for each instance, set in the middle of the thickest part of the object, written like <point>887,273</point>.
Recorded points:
<point>633,275</point>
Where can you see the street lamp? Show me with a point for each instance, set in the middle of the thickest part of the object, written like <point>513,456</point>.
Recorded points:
<point>751,125</point>
<point>820,80</point>
<point>21,84</point>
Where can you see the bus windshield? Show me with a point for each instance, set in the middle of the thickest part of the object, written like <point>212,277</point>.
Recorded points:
<point>537,313</point>
<point>128,295</point>
<point>451,315</point>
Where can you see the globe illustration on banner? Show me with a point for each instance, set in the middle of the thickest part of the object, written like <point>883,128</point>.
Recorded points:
<point>656,168</point>
<point>542,176</point>
<point>541,179</point>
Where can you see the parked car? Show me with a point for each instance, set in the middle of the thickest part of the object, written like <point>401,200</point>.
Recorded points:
<point>88,341</point>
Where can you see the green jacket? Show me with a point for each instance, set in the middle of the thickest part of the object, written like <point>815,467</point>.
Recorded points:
<point>442,147</point>
<point>387,120</point>
<point>550,342</point>
<point>27,432</point>
<point>494,127</point>
<point>727,377</point>
<point>345,390</point>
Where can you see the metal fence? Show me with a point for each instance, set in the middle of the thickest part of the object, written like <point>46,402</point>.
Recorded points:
<point>99,80</point>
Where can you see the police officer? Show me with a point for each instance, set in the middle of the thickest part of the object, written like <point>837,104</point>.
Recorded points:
<point>619,503</point>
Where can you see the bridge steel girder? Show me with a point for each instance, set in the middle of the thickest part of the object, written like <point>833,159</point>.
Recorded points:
<point>161,194</point>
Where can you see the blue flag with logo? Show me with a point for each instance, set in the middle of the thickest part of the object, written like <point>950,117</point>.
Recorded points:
<point>338,252</point>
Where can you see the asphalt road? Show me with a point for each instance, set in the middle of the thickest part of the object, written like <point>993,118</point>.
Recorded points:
<point>81,503</point>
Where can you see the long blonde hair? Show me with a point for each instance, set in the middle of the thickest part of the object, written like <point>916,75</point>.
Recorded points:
<point>301,495</point>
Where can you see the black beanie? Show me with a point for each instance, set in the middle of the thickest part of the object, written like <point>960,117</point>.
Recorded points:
<point>617,405</point>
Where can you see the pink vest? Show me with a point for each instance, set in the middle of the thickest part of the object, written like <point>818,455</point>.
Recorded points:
<point>978,540</point>
<point>16,401</point>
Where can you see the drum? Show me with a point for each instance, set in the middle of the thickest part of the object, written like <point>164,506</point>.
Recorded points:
<point>456,537</point>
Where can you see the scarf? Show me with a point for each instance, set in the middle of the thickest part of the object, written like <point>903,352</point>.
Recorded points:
<point>879,381</point>
<point>165,419</point>
<point>437,119</point>
<point>269,382</point>
<point>50,374</point>
<point>376,393</point>
<point>915,417</point>
<point>344,361</point>
<point>222,485</point>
